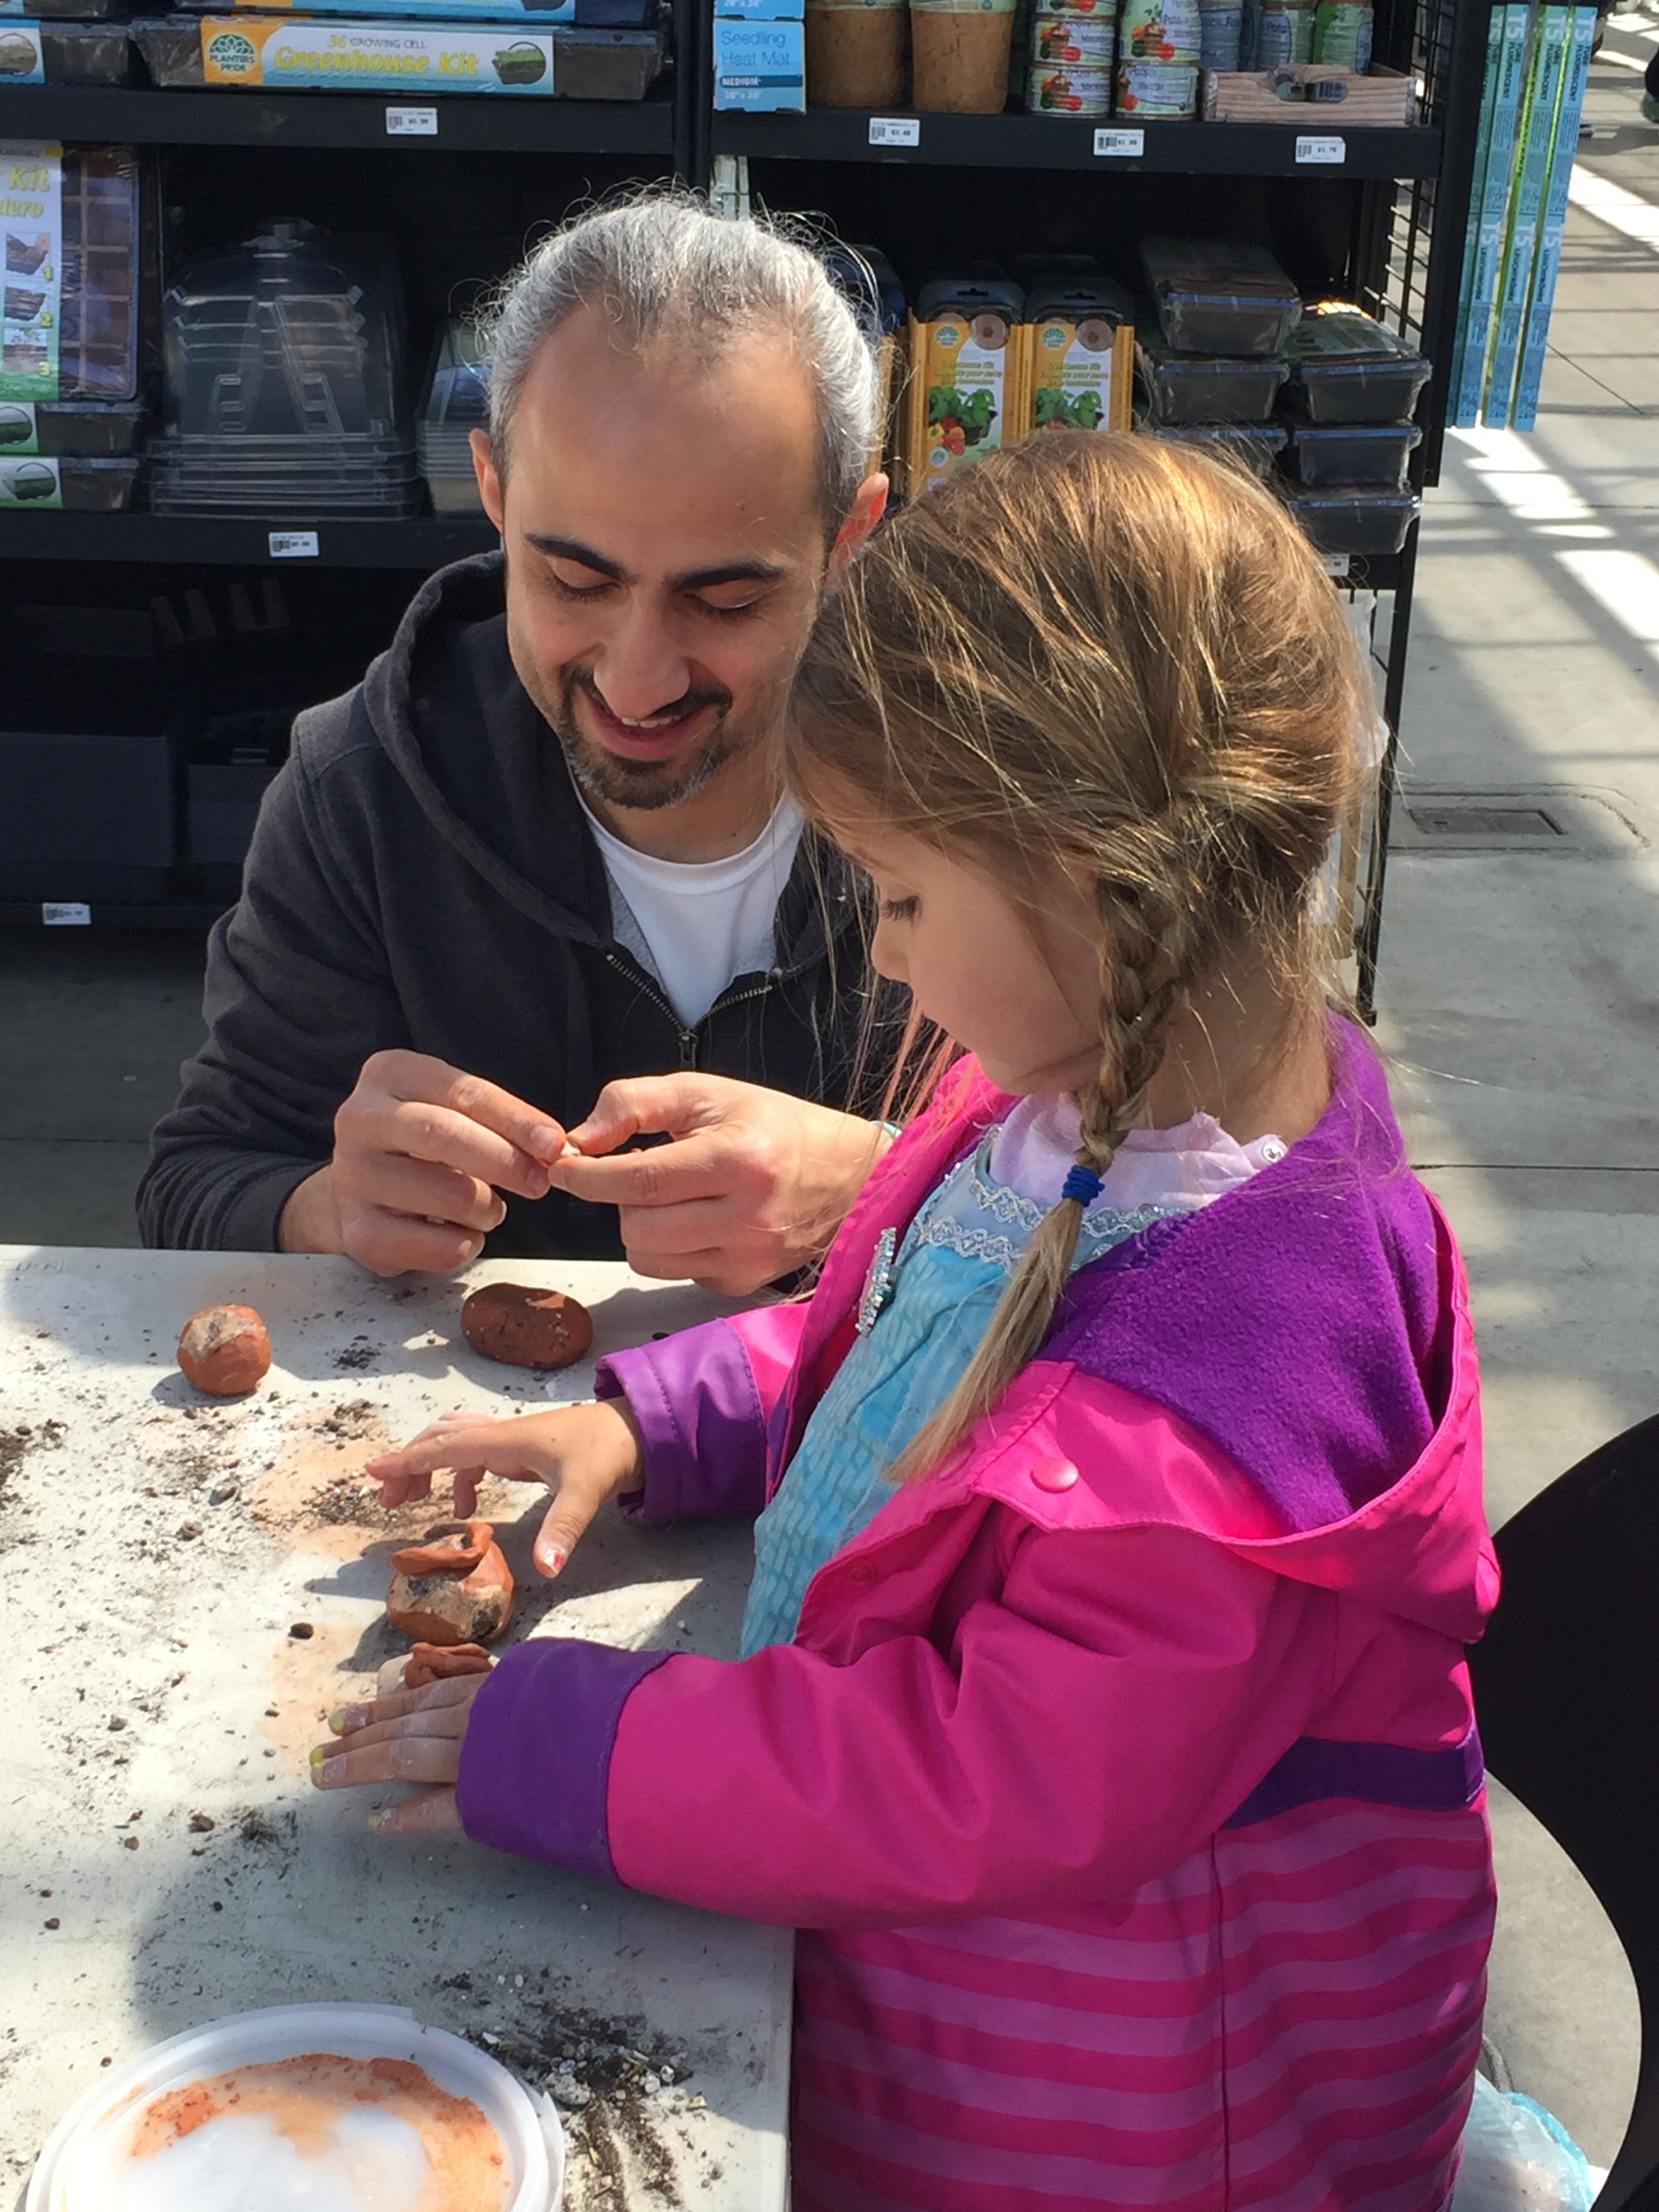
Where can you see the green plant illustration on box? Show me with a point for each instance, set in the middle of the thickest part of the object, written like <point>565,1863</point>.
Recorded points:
<point>961,418</point>
<point>1055,411</point>
<point>31,481</point>
<point>17,427</point>
<point>519,65</point>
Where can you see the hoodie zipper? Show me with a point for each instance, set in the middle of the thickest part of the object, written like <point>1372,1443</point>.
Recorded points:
<point>688,1038</point>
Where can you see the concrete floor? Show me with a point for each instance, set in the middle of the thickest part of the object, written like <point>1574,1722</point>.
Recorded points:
<point>1519,993</point>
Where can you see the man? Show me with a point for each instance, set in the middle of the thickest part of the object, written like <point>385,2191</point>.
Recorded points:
<point>540,856</point>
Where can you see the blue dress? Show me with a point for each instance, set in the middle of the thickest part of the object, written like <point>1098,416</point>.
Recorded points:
<point>925,1310</point>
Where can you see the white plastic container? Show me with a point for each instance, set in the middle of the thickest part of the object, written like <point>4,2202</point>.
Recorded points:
<point>85,2166</point>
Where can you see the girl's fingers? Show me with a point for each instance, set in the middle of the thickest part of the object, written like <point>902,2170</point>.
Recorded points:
<point>400,1757</point>
<point>454,1690</point>
<point>432,1811</point>
<point>467,1479</point>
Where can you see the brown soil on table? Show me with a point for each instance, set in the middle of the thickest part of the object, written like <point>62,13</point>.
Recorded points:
<point>306,2097</point>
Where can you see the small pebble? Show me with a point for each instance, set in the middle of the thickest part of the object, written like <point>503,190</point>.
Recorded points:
<point>116,1721</point>
<point>106,2062</point>
<point>128,1843</point>
<point>202,1823</point>
<point>217,1906</point>
<point>54,1922</point>
<point>303,1630</point>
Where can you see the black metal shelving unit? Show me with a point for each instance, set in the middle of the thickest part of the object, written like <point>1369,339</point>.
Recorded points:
<point>1385,223</point>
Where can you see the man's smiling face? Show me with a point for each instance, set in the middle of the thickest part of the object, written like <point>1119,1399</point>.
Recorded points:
<point>664,522</point>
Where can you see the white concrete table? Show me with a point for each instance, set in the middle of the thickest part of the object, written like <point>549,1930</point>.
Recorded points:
<point>158,1550</point>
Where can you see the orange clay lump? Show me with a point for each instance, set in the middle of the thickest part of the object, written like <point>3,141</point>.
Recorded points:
<point>453,1588</point>
<point>527,1328</point>
<point>225,1350</point>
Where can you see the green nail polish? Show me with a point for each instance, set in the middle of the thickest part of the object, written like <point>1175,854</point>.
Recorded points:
<point>318,1755</point>
<point>336,1721</point>
<point>376,1818</point>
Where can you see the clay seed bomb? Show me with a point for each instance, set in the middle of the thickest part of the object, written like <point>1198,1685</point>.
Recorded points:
<point>527,1328</point>
<point>225,1350</point>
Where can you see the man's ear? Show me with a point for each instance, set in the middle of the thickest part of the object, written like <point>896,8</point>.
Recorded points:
<point>489,484</point>
<point>869,505</point>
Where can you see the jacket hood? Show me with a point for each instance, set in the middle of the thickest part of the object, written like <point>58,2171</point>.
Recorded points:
<point>448,708</point>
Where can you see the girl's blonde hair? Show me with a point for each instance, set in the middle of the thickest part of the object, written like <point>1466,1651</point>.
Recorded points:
<point>1114,654</point>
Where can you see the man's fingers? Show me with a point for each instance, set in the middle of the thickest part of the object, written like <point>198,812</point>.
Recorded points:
<point>393,1182</point>
<point>466,1480</point>
<point>644,1105</point>
<point>370,1127</point>
<point>431,1812</point>
<point>700,1166</point>
<point>415,1078</point>
<point>400,1489</point>
<point>395,1244</point>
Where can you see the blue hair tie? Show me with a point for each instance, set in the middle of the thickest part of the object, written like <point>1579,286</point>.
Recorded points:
<point>1083,1184</point>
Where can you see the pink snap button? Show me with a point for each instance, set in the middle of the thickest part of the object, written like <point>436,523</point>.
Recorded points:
<point>1054,1475</point>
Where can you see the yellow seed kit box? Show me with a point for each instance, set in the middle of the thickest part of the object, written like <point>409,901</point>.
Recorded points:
<point>1080,374</point>
<point>967,394</point>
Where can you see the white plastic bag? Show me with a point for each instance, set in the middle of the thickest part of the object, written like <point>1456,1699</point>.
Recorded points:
<point>1519,2158</point>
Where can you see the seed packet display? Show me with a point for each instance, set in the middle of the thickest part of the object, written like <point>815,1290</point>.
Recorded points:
<point>32,224</point>
<point>966,396</point>
<point>379,57</point>
<point>1081,375</point>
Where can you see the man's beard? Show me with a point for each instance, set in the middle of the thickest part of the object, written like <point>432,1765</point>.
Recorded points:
<point>645,785</point>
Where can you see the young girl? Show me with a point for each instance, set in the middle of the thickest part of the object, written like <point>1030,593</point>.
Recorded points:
<point>1104,1724</point>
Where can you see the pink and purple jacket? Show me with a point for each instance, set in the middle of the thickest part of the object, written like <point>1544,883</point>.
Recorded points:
<point>1122,1778</point>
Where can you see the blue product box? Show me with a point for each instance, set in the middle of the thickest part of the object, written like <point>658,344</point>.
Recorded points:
<point>760,67</point>
<point>763,11</point>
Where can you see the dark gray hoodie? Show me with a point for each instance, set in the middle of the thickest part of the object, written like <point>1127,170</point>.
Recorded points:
<point>422,876</point>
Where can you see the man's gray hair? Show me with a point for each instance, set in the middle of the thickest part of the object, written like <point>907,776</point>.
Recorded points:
<point>664,264</point>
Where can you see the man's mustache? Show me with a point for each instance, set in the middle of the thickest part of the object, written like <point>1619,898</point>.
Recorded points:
<point>688,704</point>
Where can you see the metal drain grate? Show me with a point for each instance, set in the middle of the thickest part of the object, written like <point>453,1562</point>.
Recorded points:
<point>1541,820</point>
<point>1484,821</point>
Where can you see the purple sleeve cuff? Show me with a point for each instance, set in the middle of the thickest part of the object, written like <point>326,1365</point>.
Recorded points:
<point>536,1758</point>
<point>701,1423</point>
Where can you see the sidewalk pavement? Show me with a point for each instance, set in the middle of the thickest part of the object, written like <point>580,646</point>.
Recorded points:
<point>1518,992</point>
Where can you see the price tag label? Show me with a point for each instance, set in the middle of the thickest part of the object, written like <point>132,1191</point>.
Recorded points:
<point>894,131</point>
<point>1337,564</point>
<point>411,123</point>
<point>294,544</point>
<point>1332,152</point>
<point>1121,145</point>
<point>58,914</point>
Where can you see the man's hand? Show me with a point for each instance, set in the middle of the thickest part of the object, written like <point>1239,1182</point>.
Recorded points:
<point>415,1736</point>
<point>584,1454</point>
<point>753,1186</point>
<point>421,1150</point>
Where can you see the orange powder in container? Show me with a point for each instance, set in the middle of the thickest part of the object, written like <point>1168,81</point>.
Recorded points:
<point>303,2098</point>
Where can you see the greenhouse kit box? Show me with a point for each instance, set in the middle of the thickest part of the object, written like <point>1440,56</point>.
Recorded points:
<point>380,57</point>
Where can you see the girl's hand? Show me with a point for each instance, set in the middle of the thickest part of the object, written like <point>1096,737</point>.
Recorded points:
<point>415,1736</point>
<point>584,1454</point>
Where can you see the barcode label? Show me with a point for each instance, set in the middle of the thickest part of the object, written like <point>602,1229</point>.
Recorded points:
<point>1332,150</point>
<point>894,131</point>
<point>411,123</point>
<point>294,544</point>
<point>1337,564</point>
<point>1121,145</point>
<point>59,913</point>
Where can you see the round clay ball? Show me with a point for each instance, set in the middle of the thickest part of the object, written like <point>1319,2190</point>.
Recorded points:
<point>527,1328</point>
<point>225,1350</point>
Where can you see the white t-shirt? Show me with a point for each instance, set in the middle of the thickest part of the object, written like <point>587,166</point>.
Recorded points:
<point>696,925</point>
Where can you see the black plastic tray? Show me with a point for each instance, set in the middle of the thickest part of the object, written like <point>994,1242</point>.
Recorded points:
<point>1186,387</point>
<point>85,53</point>
<point>1375,453</point>
<point>1354,518</point>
